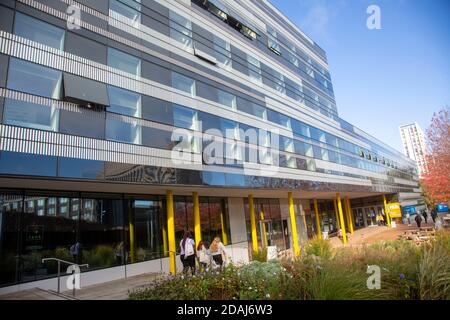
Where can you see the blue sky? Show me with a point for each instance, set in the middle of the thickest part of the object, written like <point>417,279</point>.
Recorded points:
<point>382,78</point>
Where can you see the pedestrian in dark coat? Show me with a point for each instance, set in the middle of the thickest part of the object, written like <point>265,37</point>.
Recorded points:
<point>425,215</point>
<point>418,220</point>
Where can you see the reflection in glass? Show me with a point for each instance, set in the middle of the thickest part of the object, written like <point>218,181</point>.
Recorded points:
<point>39,31</point>
<point>31,115</point>
<point>35,79</point>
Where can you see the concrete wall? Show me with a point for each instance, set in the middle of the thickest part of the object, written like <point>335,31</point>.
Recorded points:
<point>238,230</point>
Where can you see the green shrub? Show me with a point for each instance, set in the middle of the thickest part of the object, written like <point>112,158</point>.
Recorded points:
<point>408,271</point>
<point>318,247</point>
<point>261,255</point>
<point>434,273</point>
<point>101,256</point>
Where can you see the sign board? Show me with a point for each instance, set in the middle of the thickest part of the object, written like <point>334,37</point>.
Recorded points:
<point>410,209</point>
<point>394,210</point>
<point>442,208</point>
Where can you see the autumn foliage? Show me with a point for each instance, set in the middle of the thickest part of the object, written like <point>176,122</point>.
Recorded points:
<point>437,178</point>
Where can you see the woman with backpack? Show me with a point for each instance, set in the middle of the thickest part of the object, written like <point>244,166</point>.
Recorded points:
<point>187,253</point>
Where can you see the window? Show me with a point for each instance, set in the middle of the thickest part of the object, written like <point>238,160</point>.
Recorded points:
<point>317,134</point>
<point>123,130</point>
<point>222,49</point>
<point>230,130</point>
<point>127,103</point>
<point>181,30</point>
<point>35,79</point>
<point>278,79</point>
<point>39,31</point>
<point>124,62</point>
<point>127,11</point>
<point>249,33</point>
<point>226,99</point>
<point>272,41</point>
<point>124,102</point>
<point>183,83</point>
<point>184,117</point>
<point>252,108</point>
<point>188,119</point>
<point>254,69</point>
<point>287,144</point>
<point>293,59</point>
<point>279,118</point>
<point>27,164</point>
<point>31,115</point>
<point>218,9</point>
<point>300,128</point>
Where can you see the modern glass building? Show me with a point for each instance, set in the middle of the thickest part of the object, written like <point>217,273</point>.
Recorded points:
<point>125,122</point>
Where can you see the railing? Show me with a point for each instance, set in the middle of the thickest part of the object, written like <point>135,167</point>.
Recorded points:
<point>59,261</point>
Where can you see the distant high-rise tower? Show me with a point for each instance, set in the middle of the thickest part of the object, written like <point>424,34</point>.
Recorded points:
<point>414,144</point>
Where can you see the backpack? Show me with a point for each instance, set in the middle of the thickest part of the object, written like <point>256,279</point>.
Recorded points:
<point>188,248</point>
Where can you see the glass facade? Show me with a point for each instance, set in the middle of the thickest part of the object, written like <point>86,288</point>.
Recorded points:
<point>39,224</point>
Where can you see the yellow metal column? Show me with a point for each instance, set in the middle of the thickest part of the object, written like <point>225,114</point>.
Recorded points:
<point>338,223</point>
<point>319,229</point>
<point>197,224</point>
<point>251,211</point>
<point>341,216</point>
<point>386,211</point>
<point>223,223</point>
<point>349,214</point>
<point>132,236</point>
<point>171,231</point>
<point>293,224</point>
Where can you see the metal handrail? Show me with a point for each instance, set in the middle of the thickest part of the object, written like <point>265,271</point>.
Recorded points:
<point>59,269</point>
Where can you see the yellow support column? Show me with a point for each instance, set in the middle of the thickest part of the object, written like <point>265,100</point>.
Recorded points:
<point>349,214</point>
<point>386,211</point>
<point>293,225</point>
<point>341,217</point>
<point>132,236</point>
<point>223,223</point>
<point>338,223</point>
<point>171,232</point>
<point>251,210</point>
<point>319,229</point>
<point>197,224</point>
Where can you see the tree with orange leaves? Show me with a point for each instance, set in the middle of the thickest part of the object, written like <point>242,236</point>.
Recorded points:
<point>436,179</point>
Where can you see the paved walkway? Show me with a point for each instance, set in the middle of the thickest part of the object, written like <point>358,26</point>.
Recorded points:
<point>373,234</point>
<point>113,290</point>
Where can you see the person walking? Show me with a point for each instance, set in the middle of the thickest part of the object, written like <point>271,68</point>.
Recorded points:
<point>433,215</point>
<point>408,218</point>
<point>75,252</point>
<point>418,220</point>
<point>187,253</point>
<point>203,257</point>
<point>425,215</point>
<point>218,252</point>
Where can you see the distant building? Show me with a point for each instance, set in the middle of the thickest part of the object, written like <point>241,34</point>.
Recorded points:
<point>413,141</point>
